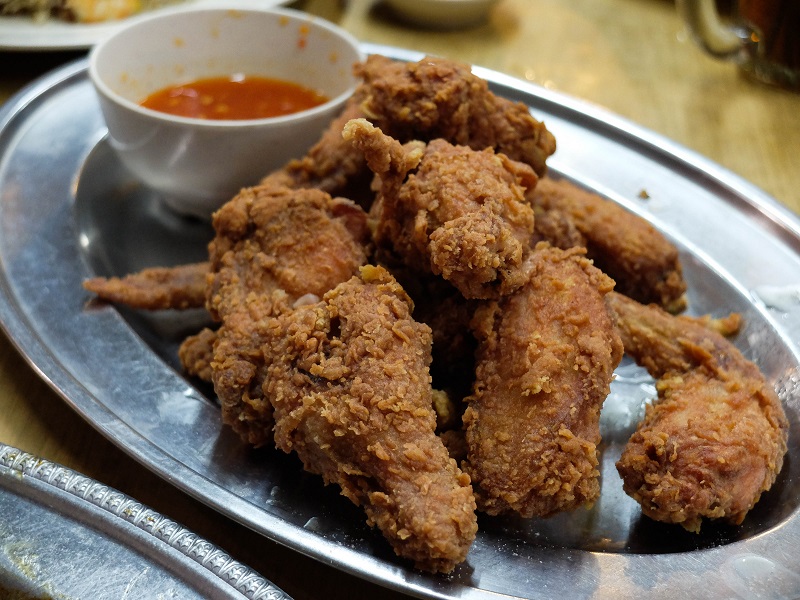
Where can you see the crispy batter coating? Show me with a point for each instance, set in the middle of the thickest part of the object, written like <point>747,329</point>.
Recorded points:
<point>156,288</point>
<point>430,99</point>
<point>274,248</point>
<point>197,352</point>
<point>715,438</point>
<point>546,358</point>
<point>439,98</point>
<point>450,210</point>
<point>557,228</point>
<point>349,382</point>
<point>642,262</point>
<point>727,325</point>
<point>331,165</point>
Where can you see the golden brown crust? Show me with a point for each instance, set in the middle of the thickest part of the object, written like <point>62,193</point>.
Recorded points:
<point>545,362</point>
<point>642,262</point>
<point>439,98</point>
<point>155,288</point>
<point>714,440</point>
<point>450,210</point>
<point>349,382</point>
<point>196,353</point>
<point>274,247</point>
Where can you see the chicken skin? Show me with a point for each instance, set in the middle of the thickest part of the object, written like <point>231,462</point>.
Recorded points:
<point>450,210</point>
<point>196,353</point>
<point>715,438</point>
<point>274,248</point>
<point>546,358</point>
<point>349,382</point>
<point>642,262</point>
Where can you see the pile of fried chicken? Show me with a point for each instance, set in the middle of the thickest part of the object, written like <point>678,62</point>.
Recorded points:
<point>432,322</point>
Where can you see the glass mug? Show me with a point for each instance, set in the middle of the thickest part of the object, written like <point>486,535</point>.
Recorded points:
<point>761,36</point>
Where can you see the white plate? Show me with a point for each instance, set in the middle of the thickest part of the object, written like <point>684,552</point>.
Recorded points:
<point>23,33</point>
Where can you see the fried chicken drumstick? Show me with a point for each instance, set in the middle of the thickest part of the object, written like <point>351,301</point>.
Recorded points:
<point>349,382</point>
<point>545,361</point>
<point>440,98</point>
<point>715,438</point>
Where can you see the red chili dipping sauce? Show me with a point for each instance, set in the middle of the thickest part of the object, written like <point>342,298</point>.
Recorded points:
<point>234,98</point>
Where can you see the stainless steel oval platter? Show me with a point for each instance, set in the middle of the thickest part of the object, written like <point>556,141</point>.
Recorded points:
<point>68,210</point>
<point>64,535</point>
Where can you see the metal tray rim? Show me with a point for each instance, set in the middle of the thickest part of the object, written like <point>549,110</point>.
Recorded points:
<point>56,479</point>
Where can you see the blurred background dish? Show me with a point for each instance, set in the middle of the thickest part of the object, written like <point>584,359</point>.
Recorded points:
<point>442,14</point>
<point>80,11</point>
<point>29,34</point>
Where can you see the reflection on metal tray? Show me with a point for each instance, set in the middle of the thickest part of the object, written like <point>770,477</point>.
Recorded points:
<point>66,536</point>
<point>85,215</point>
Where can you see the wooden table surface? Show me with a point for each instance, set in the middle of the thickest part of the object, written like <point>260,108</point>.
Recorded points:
<point>631,57</point>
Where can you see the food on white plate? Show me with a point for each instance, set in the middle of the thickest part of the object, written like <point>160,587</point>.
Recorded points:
<point>80,11</point>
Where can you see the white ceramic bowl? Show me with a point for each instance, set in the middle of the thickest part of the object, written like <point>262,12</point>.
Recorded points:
<point>194,164</point>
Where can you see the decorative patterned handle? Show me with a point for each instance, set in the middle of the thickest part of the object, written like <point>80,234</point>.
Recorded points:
<point>240,577</point>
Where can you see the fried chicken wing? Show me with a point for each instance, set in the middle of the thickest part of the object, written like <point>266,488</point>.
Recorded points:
<point>155,288</point>
<point>450,210</point>
<point>439,98</point>
<point>546,358</point>
<point>349,382</point>
<point>715,438</point>
<point>274,248</point>
<point>429,99</point>
<point>642,262</point>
